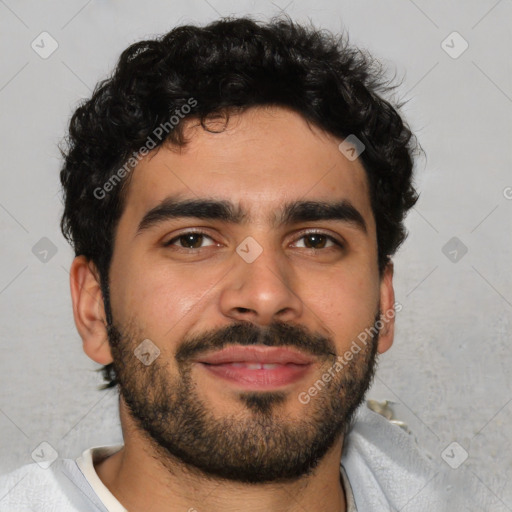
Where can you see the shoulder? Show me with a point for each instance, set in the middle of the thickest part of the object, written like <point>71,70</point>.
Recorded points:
<point>22,487</point>
<point>386,468</point>
<point>58,488</point>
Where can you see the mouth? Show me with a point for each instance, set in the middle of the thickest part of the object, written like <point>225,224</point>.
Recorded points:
<point>257,367</point>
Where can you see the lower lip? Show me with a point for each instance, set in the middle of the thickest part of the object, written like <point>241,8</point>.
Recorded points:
<point>259,379</point>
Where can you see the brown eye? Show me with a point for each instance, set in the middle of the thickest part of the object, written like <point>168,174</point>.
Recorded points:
<point>191,240</point>
<point>319,241</point>
<point>316,241</point>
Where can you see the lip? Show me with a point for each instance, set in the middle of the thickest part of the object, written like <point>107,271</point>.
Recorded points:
<point>230,365</point>
<point>256,354</point>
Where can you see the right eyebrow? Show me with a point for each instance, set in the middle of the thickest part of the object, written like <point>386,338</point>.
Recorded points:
<point>208,209</point>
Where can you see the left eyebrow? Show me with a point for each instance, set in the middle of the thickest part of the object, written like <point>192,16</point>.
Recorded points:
<point>292,212</point>
<point>304,211</point>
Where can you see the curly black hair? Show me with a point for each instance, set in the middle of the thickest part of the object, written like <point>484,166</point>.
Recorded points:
<point>230,65</point>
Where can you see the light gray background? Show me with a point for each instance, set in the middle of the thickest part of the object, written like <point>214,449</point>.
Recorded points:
<point>448,372</point>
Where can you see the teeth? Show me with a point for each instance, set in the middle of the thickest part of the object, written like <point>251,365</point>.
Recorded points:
<point>256,366</point>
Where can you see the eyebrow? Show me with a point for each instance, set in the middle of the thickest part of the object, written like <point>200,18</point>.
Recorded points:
<point>292,212</point>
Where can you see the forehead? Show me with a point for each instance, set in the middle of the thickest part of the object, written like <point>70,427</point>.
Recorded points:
<point>262,159</point>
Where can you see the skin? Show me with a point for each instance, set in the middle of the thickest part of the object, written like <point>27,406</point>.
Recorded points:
<point>265,157</point>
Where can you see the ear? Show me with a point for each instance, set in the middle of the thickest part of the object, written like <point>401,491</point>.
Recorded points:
<point>89,310</point>
<point>387,316</point>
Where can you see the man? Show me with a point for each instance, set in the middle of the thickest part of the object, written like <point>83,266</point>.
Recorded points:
<point>234,194</point>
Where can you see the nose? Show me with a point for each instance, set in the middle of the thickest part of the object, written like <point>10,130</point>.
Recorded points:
<point>262,291</point>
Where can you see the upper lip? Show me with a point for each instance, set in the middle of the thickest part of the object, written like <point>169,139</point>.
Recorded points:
<point>259,354</point>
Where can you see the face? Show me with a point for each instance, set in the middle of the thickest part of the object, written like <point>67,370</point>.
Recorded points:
<point>278,252</point>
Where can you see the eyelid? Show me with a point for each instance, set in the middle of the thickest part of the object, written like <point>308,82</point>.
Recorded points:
<point>188,231</point>
<point>297,236</point>
<point>318,231</point>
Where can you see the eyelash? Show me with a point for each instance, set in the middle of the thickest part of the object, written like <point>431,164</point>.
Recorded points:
<point>337,243</point>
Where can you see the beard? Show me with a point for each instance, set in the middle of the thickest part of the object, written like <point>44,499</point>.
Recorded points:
<point>260,446</point>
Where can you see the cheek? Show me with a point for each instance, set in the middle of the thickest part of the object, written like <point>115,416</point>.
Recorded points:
<point>161,297</point>
<point>345,303</point>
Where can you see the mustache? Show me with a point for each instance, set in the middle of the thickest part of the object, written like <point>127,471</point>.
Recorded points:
<point>276,334</point>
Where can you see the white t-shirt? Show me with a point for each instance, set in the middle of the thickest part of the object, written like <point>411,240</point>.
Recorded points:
<point>381,470</point>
